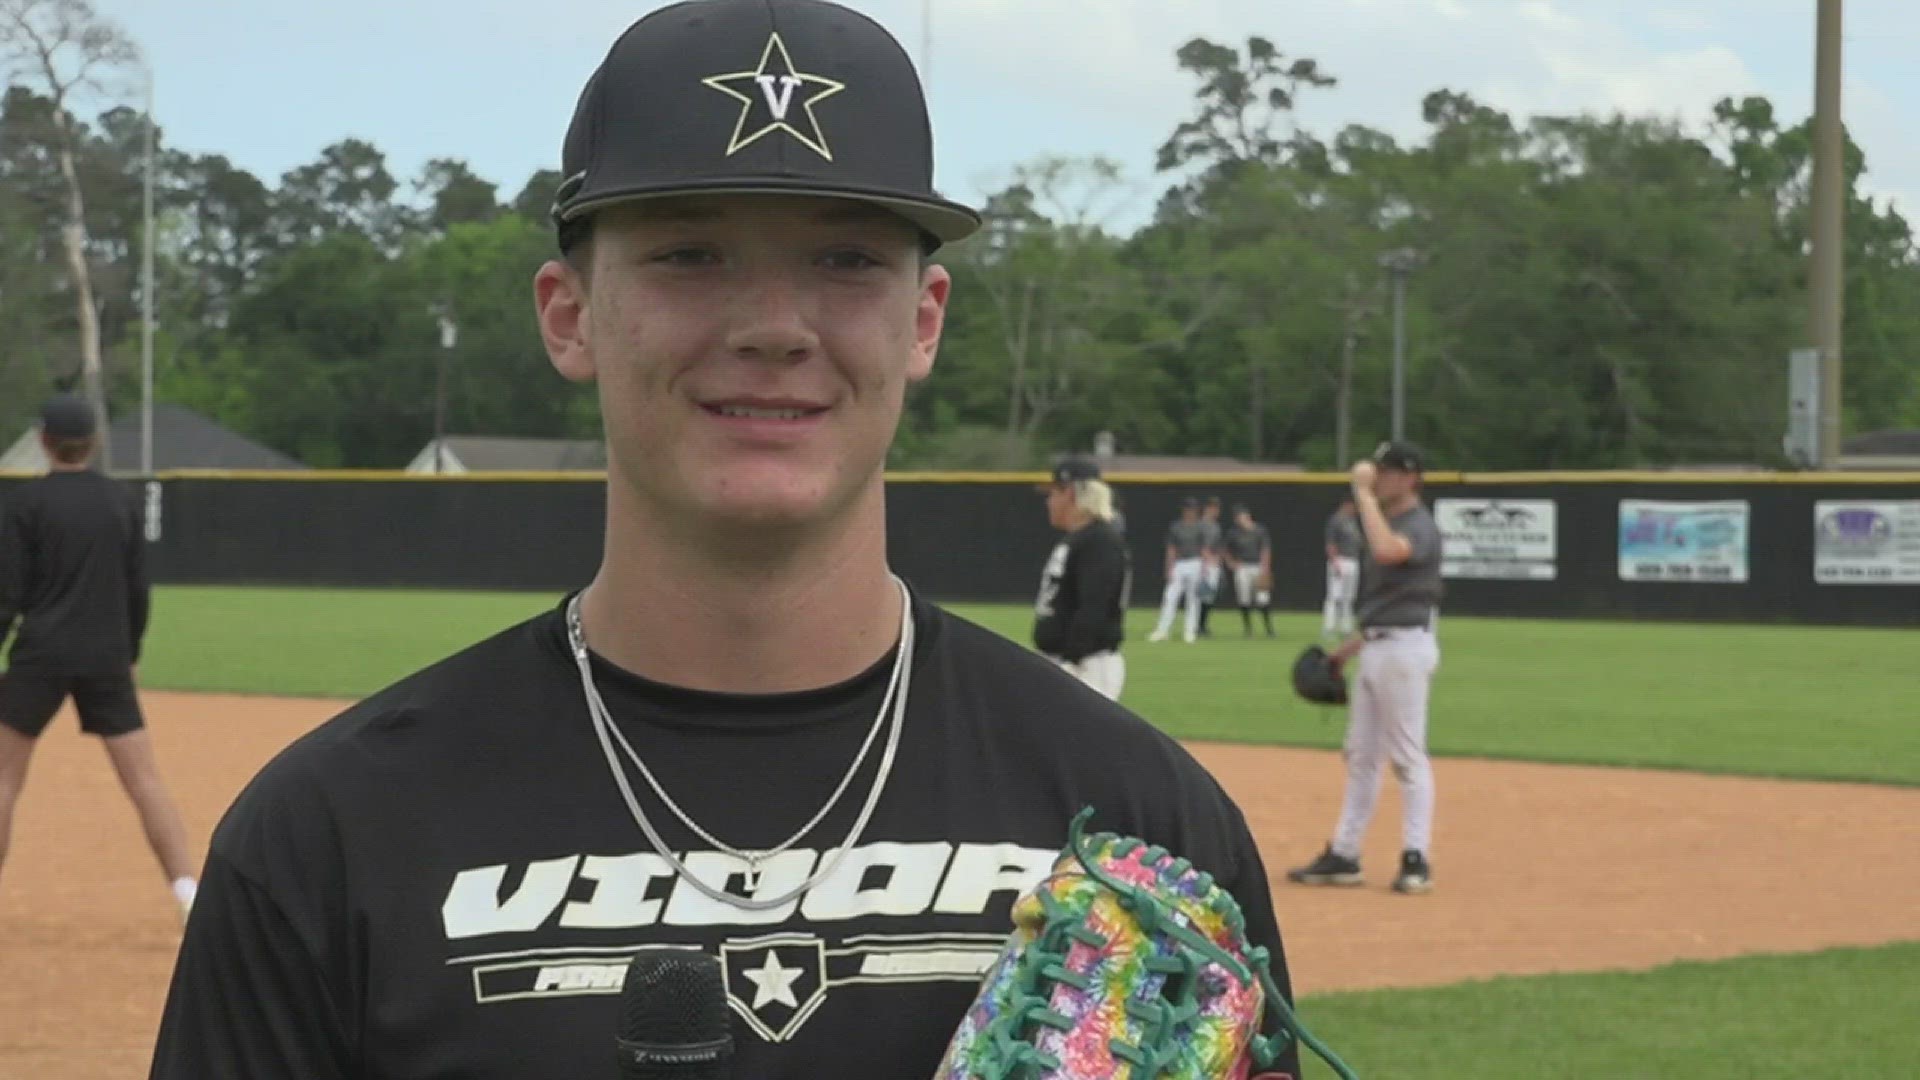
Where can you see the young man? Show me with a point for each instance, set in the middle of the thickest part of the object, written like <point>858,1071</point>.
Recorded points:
<point>1185,569</point>
<point>1399,603</point>
<point>73,573</point>
<point>840,788</point>
<point>1343,572</point>
<point>1080,617</point>
<point>1248,550</point>
<point>1213,561</point>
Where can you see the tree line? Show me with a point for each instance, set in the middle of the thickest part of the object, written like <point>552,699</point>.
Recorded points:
<point>1580,291</point>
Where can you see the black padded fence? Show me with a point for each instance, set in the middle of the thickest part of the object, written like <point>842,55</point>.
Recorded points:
<point>1823,549</point>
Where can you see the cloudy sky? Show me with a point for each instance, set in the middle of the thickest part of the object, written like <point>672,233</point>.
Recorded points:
<point>270,82</point>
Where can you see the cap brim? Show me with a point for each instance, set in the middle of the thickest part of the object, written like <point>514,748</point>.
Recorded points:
<point>946,221</point>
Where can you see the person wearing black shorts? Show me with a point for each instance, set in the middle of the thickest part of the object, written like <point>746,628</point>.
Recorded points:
<point>73,575</point>
<point>745,734</point>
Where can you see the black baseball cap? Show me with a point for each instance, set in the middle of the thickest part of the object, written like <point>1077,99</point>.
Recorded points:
<point>66,416</point>
<point>1400,456</point>
<point>1072,469</point>
<point>755,97</point>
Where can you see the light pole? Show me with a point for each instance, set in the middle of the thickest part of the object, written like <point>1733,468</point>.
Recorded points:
<point>926,44</point>
<point>449,333</point>
<point>1400,263</point>
<point>1828,203</point>
<point>146,293</point>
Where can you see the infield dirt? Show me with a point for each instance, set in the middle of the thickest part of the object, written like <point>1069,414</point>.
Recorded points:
<point>1538,868</point>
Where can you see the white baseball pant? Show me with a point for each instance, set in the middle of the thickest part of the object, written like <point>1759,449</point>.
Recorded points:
<point>1183,585</point>
<point>1104,671</point>
<point>1343,582</point>
<point>1245,577</point>
<point>1387,723</point>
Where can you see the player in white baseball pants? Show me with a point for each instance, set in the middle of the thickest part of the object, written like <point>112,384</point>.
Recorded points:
<point>1185,578</point>
<point>1398,654</point>
<point>1187,546</point>
<point>1343,573</point>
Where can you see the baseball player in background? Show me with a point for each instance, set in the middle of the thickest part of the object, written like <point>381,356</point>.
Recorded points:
<point>1080,617</point>
<point>1343,572</point>
<point>1213,560</point>
<point>745,734</point>
<point>73,573</point>
<point>1397,609</point>
<point>1186,570</point>
<point>1248,550</point>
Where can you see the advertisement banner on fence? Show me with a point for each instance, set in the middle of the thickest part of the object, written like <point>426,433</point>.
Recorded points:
<point>1504,539</point>
<point>1683,541</point>
<point>1866,543</point>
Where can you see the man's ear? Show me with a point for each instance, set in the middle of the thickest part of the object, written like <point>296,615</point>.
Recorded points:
<point>936,284</point>
<point>560,305</point>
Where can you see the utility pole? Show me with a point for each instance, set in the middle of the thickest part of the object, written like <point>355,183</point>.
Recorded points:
<point>146,296</point>
<point>1355,307</point>
<point>926,46</point>
<point>1400,263</point>
<point>449,333</point>
<point>1824,281</point>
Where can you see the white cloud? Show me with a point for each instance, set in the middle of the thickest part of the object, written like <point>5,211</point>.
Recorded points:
<point>1117,56</point>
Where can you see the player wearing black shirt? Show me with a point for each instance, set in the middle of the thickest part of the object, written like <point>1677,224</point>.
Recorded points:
<point>744,734</point>
<point>1248,551</point>
<point>73,575</point>
<point>1080,616</point>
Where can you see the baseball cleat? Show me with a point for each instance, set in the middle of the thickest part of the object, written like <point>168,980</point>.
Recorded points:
<point>1328,869</point>
<point>1415,875</point>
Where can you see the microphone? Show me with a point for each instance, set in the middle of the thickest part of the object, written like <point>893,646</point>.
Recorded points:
<point>673,1018</point>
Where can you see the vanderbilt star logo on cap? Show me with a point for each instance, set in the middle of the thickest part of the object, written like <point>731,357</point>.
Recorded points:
<point>768,96</point>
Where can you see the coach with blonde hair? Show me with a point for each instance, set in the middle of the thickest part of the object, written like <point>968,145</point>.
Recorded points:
<point>1080,618</point>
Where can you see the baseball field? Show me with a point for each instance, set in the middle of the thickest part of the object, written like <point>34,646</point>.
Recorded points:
<point>1661,850</point>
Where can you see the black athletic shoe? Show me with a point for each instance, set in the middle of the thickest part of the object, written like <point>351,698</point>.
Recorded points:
<point>1328,869</point>
<point>1415,875</point>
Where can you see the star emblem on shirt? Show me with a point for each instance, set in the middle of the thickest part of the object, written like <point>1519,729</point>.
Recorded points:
<point>772,982</point>
<point>776,96</point>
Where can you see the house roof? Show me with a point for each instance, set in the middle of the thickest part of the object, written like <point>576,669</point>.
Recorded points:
<point>1172,463</point>
<point>487,453</point>
<point>182,439</point>
<point>1905,443</point>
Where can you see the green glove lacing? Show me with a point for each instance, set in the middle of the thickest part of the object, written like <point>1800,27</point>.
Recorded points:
<point>1009,1057</point>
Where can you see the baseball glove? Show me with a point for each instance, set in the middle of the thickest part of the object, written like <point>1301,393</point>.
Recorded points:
<point>1317,677</point>
<point>1125,963</point>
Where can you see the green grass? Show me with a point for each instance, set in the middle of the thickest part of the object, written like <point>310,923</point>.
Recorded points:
<point>342,643</point>
<point>1783,701</point>
<point>1780,701</point>
<point>1841,1013</point>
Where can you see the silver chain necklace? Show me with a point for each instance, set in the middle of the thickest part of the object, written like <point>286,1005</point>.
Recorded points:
<point>608,732</point>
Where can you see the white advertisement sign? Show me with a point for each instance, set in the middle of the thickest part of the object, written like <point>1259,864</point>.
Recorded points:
<point>1683,541</point>
<point>1507,539</point>
<point>1866,543</point>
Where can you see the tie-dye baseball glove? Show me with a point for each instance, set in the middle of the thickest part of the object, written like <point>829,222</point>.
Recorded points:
<point>1125,963</point>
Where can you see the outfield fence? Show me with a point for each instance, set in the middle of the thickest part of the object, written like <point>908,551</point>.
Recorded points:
<point>1822,548</point>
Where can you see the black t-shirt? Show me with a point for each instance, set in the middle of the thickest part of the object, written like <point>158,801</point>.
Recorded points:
<point>443,881</point>
<point>1247,545</point>
<point>73,572</point>
<point>1084,590</point>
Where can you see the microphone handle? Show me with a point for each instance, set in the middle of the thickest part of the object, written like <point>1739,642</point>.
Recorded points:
<point>691,1061</point>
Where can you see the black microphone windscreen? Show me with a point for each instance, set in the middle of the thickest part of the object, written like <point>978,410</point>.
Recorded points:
<point>673,1019</point>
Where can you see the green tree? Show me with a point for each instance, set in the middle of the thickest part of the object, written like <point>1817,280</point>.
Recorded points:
<point>69,51</point>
